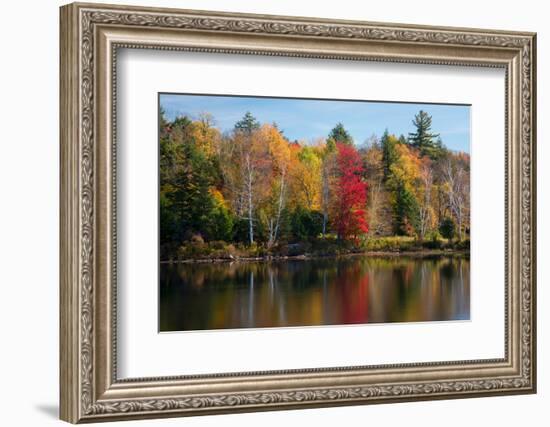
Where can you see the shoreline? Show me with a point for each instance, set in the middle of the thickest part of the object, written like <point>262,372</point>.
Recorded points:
<point>305,257</point>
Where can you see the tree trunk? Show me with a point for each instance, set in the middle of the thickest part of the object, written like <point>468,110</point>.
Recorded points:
<point>281,204</point>
<point>250,206</point>
<point>459,219</point>
<point>325,198</point>
<point>274,231</point>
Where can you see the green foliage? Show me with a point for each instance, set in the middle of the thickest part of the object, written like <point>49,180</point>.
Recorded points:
<point>406,211</point>
<point>447,228</point>
<point>296,249</point>
<point>187,174</point>
<point>423,139</point>
<point>463,245</point>
<point>330,246</point>
<point>340,134</point>
<point>240,230</point>
<point>305,224</point>
<point>434,236</point>
<point>389,244</point>
<point>192,198</point>
<point>389,153</point>
<point>247,124</point>
<point>331,146</point>
<point>220,223</point>
<point>434,240</point>
<point>168,217</point>
<point>197,249</point>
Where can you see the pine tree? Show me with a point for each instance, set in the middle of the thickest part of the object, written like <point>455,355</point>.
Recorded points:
<point>247,124</point>
<point>423,139</point>
<point>340,135</point>
<point>406,211</point>
<point>447,228</point>
<point>439,148</point>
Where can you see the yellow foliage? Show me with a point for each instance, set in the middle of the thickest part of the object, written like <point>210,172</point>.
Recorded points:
<point>218,197</point>
<point>279,150</point>
<point>206,136</point>
<point>407,168</point>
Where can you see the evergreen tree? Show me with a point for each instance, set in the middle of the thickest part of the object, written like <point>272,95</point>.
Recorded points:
<point>406,211</point>
<point>439,149</point>
<point>447,228</point>
<point>193,198</point>
<point>162,122</point>
<point>187,174</point>
<point>247,124</point>
<point>219,225</point>
<point>340,134</point>
<point>389,153</point>
<point>423,139</point>
<point>305,224</point>
<point>331,146</point>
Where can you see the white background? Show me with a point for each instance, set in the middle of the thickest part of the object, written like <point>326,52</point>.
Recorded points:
<point>29,171</point>
<point>145,353</point>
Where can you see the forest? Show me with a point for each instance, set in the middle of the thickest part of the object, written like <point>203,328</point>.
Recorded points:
<point>253,193</point>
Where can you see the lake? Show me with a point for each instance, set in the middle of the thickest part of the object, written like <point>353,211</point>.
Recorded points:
<point>325,291</point>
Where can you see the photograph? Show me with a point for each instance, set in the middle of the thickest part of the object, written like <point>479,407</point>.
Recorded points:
<point>284,212</point>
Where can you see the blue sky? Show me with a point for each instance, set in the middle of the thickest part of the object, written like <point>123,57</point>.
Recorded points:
<point>309,119</point>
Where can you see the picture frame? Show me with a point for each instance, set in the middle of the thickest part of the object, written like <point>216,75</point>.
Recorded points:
<point>91,35</point>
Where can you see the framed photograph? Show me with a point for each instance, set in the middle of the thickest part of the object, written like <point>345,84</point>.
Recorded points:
<point>267,212</point>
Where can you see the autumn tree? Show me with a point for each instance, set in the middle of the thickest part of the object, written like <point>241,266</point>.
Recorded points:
<point>457,183</point>
<point>350,198</point>
<point>378,209</point>
<point>404,181</point>
<point>277,166</point>
<point>338,135</point>
<point>328,176</point>
<point>389,153</point>
<point>187,176</point>
<point>243,157</point>
<point>425,211</point>
<point>206,137</point>
<point>307,176</point>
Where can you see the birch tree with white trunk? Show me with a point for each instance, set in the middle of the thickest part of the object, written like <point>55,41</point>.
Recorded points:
<point>426,210</point>
<point>457,191</point>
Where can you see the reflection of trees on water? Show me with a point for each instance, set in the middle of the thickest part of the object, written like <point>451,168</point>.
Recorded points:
<point>314,292</point>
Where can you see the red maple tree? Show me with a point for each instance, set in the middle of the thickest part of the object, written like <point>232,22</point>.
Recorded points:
<point>351,194</point>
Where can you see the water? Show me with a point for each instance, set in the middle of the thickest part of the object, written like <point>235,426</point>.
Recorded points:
<point>327,291</point>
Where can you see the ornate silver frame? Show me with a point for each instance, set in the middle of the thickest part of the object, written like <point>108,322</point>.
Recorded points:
<point>90,36</point>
